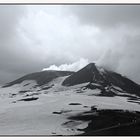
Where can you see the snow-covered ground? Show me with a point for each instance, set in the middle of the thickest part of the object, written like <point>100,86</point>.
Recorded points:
<point>48,114</point>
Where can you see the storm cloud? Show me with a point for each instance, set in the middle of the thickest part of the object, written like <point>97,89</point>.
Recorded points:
<point>37,37</point>
<point>107,15</point>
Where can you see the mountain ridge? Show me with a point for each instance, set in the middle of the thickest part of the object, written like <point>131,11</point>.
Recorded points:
<point>41,78</point>
<point>94,74</point>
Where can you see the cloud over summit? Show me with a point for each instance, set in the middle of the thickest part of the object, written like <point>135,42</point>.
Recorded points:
<point>69,67</point>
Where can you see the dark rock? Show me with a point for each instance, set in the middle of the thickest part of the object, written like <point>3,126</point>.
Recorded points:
<point>85,106</point>
<point>24,91</point>
<point>75,104</point>
<point>29,99</point>
<point>93,108</point>
<point>57,112</point>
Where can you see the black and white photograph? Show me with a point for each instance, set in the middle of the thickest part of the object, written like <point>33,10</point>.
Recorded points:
<point>70,69</point>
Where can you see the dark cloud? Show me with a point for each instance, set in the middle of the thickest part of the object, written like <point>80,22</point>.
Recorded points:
<point>119,25</point>
<point>107,15</point>
<point>35,37</point>
<point>9,18</point>
<point>20,51</point>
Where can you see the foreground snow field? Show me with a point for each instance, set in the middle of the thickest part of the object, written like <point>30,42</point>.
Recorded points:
<point>48,110</point>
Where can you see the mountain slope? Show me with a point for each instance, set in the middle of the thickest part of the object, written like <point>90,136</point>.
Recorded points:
<point>82,76</point>
<point>39,104</point>
<point>40,77</point>
<point>93,74</point>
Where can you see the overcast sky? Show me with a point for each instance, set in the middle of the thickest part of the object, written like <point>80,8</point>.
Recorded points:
<point>69,37</point>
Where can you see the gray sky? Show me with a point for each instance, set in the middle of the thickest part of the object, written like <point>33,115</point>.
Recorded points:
<point>69,37</point>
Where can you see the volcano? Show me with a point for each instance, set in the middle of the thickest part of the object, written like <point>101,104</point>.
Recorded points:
<point>105,78</point>
<point>92,101</point>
